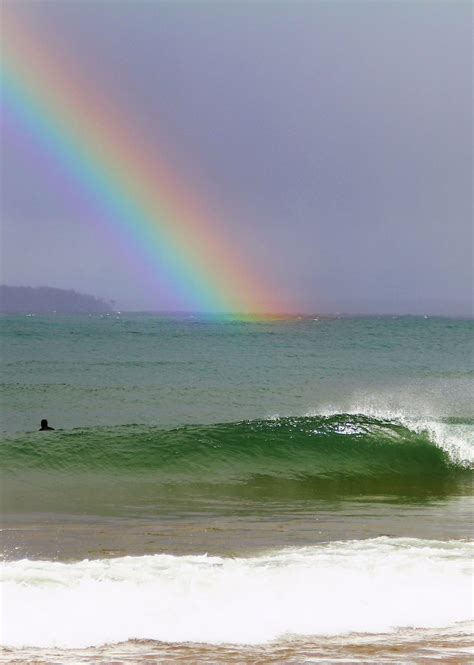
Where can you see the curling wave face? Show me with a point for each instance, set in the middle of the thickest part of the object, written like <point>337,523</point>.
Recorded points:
<point>285,458</point>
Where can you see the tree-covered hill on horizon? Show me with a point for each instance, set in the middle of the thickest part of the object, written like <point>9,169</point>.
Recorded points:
<point>46,299</point>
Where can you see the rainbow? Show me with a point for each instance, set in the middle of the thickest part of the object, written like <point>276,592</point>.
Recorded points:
<point>137,195</point>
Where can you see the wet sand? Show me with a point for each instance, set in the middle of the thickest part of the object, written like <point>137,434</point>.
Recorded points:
<point>453,646</point>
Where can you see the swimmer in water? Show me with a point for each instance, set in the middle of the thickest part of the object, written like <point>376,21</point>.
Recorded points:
<point>44,426</point>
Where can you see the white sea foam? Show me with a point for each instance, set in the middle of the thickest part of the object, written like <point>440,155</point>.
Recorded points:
<point>368,586</point>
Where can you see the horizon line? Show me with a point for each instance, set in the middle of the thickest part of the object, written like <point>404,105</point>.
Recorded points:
<point>265,316</point>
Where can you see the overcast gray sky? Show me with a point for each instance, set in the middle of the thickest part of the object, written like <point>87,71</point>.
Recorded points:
<point>332,139</point>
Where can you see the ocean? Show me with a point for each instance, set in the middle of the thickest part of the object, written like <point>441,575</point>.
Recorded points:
<point>227,491</point>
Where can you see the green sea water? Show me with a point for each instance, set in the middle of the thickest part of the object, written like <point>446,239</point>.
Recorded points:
<point>81,371</point>
<point>157,415</point>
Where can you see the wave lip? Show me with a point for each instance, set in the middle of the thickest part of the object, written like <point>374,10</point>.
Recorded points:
<point>369,586</point>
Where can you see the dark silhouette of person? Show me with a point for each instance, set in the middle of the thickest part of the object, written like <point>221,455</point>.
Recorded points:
<point>44,426</point>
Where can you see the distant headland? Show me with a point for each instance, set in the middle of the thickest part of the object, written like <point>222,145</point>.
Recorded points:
<point>48,300</point>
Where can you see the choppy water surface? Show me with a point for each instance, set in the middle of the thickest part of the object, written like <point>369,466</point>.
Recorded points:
<point>298,487</point>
